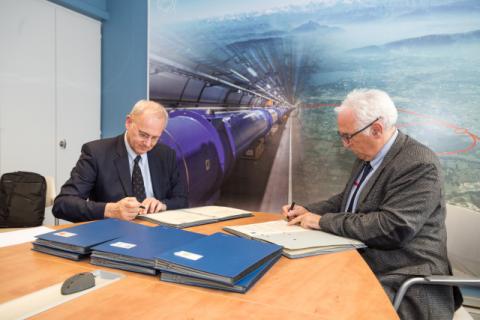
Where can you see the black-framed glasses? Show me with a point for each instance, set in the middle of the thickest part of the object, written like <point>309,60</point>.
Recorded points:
<point>347,137</point>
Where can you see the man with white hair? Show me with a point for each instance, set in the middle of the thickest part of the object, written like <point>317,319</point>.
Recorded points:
<point>393,202</point>
<point>124,176</point>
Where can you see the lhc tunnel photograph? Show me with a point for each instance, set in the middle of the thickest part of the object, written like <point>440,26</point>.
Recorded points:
<point>251,159</point>
<point>251,89</point>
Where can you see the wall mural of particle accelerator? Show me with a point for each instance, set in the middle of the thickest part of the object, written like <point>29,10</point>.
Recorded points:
<point>209,142</point>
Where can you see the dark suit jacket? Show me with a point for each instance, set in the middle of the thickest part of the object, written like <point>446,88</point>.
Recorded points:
<point>400,213</point>
<point>102,175</point>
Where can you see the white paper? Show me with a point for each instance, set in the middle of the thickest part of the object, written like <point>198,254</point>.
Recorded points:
<point>188,255</point>
<point>21,236</point>
<point>216,211</point>
<point>192,215</point>
<point>123,245</point>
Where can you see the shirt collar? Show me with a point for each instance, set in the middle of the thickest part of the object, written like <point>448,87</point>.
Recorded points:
<point>132,154</point>
<point>383,152</point>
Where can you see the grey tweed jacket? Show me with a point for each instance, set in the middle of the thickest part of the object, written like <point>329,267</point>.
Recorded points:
<point>400,213</point>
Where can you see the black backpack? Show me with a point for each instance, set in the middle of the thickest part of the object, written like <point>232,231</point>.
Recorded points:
<point>22,199</point>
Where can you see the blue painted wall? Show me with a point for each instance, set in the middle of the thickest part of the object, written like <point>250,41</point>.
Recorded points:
<point>124,62</point>
<point>124,55</point>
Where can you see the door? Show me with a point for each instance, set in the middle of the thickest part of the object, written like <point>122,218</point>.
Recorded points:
<point>78,45</point>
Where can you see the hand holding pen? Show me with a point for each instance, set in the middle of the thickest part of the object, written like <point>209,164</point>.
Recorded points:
<point>292,211</point>
<point>286,210</point>
<point>292,206</point>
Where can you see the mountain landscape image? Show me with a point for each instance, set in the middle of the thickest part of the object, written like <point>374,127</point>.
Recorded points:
<point>425,54</point>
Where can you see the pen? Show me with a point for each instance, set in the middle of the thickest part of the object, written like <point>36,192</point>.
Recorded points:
<point>290,209</point>
<point>142,207</point>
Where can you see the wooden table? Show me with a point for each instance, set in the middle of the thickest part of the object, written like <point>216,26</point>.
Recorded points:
<point>332,286</point>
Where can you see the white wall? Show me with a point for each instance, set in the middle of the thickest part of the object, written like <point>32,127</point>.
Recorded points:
<point>49,87</point>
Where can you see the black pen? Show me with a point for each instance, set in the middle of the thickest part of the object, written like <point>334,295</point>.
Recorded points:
<point>290,209</point>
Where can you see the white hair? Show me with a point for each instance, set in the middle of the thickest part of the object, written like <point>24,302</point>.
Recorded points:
<point>152,107</point>
<point>368,105</point>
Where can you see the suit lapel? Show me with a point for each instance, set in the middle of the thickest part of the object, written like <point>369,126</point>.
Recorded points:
<point>394,150</point>
<point>155,172</point>
<point>122,166</point>
<point>355,172</point>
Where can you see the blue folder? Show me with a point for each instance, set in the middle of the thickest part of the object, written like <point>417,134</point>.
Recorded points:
<point>218,257</point>
<point>59,253</point>
<point>141,248</point>
<point>81,238</point>
<point>241,286</point>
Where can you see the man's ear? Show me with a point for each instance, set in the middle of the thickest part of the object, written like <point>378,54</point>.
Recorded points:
<point>377,130</point>
<point>128,122</point>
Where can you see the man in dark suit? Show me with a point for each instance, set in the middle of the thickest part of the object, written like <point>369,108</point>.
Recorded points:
<point>126,175</point>
<point>393,202</point>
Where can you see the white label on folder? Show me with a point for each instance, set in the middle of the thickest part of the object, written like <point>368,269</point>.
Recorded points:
<point>188,255</point>
<point>123,245</point>
<point>65,234</point>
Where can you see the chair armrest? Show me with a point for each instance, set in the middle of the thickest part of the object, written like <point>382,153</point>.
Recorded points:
<point>433,280</point>
<point>454,281</point>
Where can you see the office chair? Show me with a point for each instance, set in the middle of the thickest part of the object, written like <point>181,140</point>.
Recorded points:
<point>462,242</point>
<point>50,194</point>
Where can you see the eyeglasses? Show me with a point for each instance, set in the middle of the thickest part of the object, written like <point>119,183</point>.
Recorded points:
<point>145,136</point>
<point>347,137</point>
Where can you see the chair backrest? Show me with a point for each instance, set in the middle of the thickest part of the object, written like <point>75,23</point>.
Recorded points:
<point>50,195</point>
<point>463,238</point>
<point>462,244</point>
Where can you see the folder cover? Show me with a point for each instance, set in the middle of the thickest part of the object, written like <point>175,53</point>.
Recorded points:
<point>81,238</point>
<point>241,286</point>
<point>218,257</point>
<point>141,248</point>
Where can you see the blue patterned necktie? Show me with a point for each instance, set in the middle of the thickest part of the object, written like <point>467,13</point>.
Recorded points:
<point>138,187</point>
<point>358,183</point>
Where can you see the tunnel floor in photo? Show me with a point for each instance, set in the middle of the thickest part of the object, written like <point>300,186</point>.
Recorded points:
<point>260,184</point>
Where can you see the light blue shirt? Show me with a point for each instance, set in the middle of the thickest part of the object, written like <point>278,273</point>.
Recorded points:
<point>143,163</point>
<point>375,163</point>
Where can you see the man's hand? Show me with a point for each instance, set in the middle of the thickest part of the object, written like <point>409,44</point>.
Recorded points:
<point>291,214</point>
<point>152,205</point>
<point>126,209</point>
<point>307,220</point>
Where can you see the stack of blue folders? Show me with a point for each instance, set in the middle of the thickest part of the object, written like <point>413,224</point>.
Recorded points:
<point>218,261</point>
<point>137,252</point>
<point>76,242</point>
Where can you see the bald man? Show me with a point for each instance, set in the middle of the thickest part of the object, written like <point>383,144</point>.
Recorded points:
<point>124,176</point>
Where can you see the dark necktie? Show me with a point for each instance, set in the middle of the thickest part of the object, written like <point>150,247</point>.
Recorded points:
<point>358,182</point>
<point>137,181</point>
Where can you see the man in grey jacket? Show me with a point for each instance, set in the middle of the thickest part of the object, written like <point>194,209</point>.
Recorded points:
<point>393,202</point>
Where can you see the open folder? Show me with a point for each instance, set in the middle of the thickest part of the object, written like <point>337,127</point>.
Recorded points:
<point>296,241</point>
<point>190,217</point>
